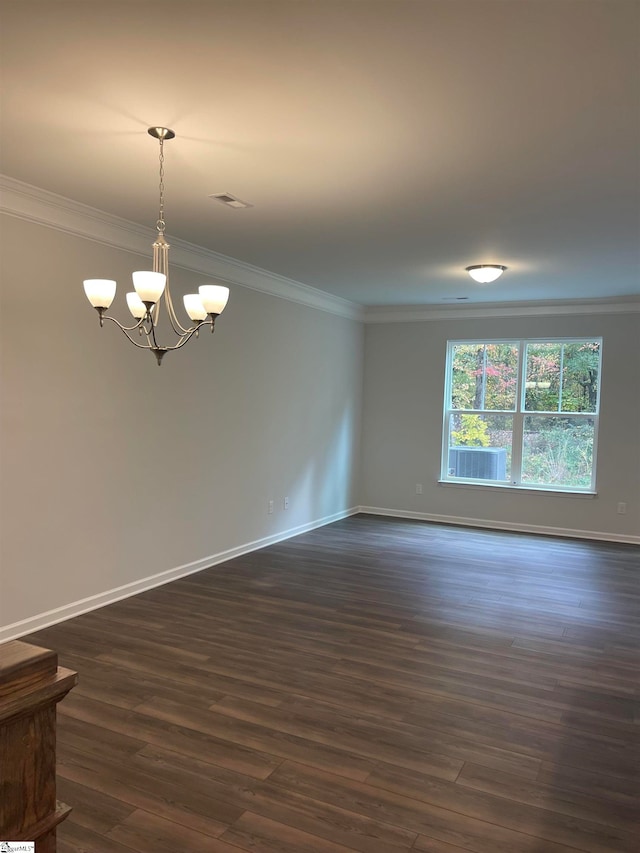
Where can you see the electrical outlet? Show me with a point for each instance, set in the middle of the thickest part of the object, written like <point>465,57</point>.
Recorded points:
<point>270,507</point>
<point>418,488</point>
<point>622,508</point>
<point>285,503</point>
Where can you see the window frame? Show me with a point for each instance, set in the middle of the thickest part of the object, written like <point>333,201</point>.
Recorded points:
<point>518,413</point>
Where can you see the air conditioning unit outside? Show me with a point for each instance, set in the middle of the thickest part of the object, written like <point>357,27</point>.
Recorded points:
<point>478,463</point>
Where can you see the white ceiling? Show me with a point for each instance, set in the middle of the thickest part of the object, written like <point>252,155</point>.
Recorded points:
<point>384,144</point>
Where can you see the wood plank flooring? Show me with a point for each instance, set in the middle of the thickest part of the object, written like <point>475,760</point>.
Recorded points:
<point>377,685</point>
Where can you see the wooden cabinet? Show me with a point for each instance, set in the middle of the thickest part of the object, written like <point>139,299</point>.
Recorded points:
<point>31,684</point>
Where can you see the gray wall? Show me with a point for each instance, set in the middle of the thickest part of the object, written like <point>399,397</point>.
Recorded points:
<point>402,426</point>
<point>114,470</point>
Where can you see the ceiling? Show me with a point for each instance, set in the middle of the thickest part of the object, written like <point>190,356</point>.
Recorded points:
<point>384,144</point>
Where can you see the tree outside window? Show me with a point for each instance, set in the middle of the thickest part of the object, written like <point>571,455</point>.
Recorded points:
<point>522,413</point>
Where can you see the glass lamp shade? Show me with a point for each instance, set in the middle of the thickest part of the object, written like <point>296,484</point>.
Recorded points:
<point>194,307</point>
<point>485,273</point>
<point>100,291</point>
<point>149,285</point>
<point>136,305</point>
<point>214,297</point>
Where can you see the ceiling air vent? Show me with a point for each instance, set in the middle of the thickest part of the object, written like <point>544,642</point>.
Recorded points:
<point>230,200</point>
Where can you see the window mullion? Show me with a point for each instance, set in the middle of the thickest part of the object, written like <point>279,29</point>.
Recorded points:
<point>484,377</point>
<point>518,417</point>
<point>516,448</point>
<point>444,462</point>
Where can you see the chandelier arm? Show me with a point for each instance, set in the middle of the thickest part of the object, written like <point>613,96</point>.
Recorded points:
<point>156,346</point>
<point>176,325</point>
<point>150,334</point>
<point>161,264</point>
<point>151,341</point>
<point>186,337</point>
<point>125,331</point>
<point>141,327</point>
<point>138,325</point>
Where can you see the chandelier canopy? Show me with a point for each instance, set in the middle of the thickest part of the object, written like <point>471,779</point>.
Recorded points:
<point>151,290</point>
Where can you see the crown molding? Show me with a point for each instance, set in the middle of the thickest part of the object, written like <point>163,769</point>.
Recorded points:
<point>33,204</point>
<point>424,313</point>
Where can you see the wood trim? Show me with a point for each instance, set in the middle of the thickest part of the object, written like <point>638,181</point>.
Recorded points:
<point>31,685</point>
<point>40,830</point>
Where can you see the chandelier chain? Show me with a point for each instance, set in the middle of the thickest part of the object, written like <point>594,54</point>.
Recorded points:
<point>160,224</point>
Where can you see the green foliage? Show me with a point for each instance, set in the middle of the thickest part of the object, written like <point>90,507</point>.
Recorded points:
<point>557,451</point>
<point>562,377</point>
<point>580,380</point>
<point>484,376</point>
<point>473,432</point>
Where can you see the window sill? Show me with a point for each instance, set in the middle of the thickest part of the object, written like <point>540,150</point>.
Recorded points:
<point>508,487</point>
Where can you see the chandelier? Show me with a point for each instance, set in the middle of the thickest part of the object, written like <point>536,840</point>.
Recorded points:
<point>151,291</point>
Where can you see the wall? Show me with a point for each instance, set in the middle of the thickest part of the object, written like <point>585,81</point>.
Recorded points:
<point>402,417</point>
<point>115,470</point>
<point>117,474</point>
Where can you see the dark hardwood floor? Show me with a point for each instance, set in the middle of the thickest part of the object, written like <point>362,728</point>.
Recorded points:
<point>376,685</point>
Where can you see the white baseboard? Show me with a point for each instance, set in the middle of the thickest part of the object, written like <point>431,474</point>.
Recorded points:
<point>516,527</point>
<point>94,602</point>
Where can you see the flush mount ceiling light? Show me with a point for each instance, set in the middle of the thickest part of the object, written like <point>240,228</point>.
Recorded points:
<point>485,273</point>
<point>152,289</point>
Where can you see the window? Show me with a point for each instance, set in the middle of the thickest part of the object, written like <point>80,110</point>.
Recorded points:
<point>522,413</point>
